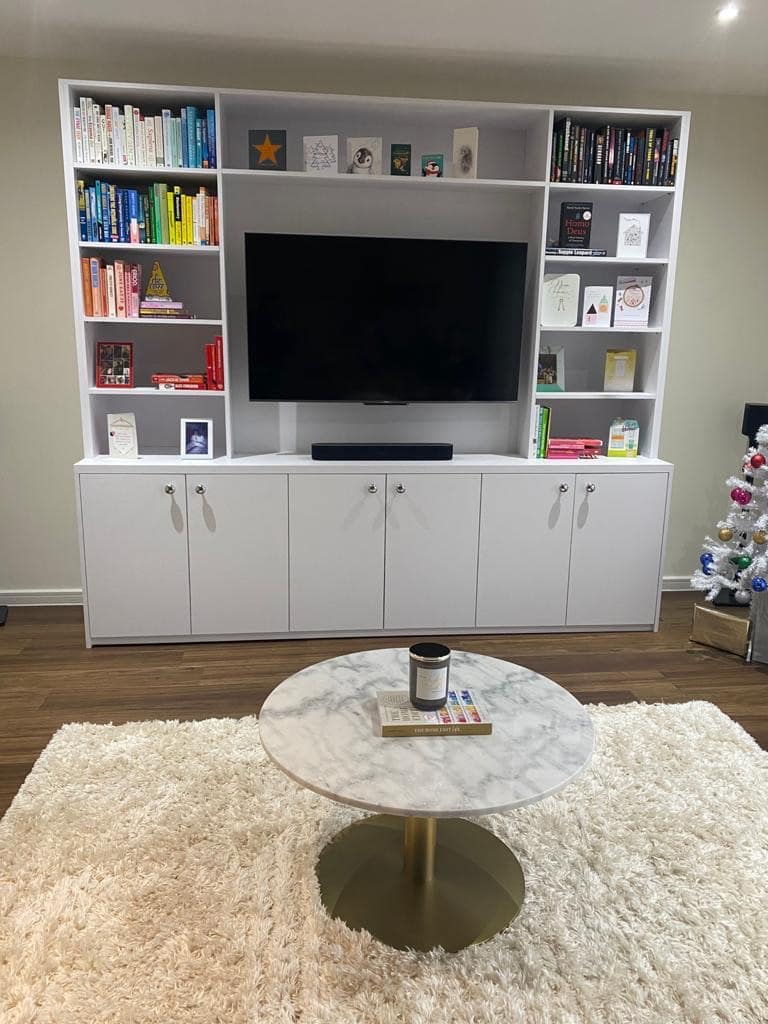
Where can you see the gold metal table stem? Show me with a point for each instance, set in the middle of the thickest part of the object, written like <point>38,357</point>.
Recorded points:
<point>419,883</point>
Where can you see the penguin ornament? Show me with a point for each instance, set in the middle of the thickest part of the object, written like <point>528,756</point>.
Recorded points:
<point>362,161</point>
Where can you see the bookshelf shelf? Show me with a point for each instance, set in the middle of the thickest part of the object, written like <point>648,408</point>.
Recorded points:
<point>159,173</point>
<point>601,330</point>
<point>640,190</point>
<point>186,250</point>
<point>608,261</point>
<point>546,396</point>
<point>387,181</point>
<point>154,320</point>
<point>153,393</point>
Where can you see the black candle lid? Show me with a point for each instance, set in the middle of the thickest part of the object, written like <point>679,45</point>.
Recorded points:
<point>430,651</point>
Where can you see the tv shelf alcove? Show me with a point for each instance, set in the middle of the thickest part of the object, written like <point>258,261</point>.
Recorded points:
<point>263,542</point>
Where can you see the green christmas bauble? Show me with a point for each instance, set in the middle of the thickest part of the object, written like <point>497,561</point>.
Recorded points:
<point>743,561</point>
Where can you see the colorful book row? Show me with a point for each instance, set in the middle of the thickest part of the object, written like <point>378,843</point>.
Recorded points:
<point>613,156</point>
<point>110,290</point>
<point>159,214</point>
<point>124,137</point>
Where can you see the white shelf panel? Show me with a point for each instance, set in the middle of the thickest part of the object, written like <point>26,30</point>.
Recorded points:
<point>649,190</point>
<point>559,395</point>
<point>108,170</point>
<point>153,392</point>
<point>199,250</point>
<point>602,330</point>
<point>191,321</point>
<point>610,260</point>
<point>392,181</point>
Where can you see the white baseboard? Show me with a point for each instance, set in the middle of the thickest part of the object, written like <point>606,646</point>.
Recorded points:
<point>35,597</point>
<point>676,583</point>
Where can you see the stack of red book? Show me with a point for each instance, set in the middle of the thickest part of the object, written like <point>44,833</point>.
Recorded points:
<point>574,447</point>
<point>211,380</point>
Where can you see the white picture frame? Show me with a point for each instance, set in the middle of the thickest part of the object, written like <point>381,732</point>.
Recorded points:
<point>196,438</point>
<point>632,238</point>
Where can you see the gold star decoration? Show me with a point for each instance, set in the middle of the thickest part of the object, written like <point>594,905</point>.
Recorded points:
<point>267,151</point>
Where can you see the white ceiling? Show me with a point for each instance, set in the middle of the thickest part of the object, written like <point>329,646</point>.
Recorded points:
<point>678,42</point>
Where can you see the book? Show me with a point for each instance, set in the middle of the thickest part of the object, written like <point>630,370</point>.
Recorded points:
<point>596,306</point>
<point>461,715</point>
<point>611,155</point>
<point>575,225</point>
<point>620,369</point>
<point>85,273</point>
<point>574,447</point>
<point>541,435</point>
<point>632,240</point>
<point>633,301</point>
<point>400,159</point>
<point>218,348</point>
<point>558,250</point>
<point>560,300</point>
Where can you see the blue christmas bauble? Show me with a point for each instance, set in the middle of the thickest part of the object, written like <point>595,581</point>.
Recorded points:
<point>706,558</point>
<point>759,584</point>
<point>707,569</point>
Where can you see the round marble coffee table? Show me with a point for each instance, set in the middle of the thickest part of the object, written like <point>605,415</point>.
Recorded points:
<point>417,875</point>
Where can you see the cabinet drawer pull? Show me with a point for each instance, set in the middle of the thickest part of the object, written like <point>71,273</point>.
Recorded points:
<point>563,488</point>
<point>170,488</point>
<point>200,489</point>
<point>373,489</point>
<point>591,488</point>
<point>400,488</point>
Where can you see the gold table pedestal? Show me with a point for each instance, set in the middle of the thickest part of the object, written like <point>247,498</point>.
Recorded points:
<point>418,883</point>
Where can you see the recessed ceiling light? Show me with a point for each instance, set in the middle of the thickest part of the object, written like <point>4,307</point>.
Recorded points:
<point>728,13</point>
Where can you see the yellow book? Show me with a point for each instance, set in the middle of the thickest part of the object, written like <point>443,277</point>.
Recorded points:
<point>188,209</point>
<point>177,214</point>
<point>171,219</point>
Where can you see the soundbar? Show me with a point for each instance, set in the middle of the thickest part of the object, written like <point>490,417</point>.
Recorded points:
<point>368,452</point>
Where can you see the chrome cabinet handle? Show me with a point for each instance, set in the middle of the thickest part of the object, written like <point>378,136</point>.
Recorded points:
<point>591,488</point>
<point>170,488</point>
<point>373,489</point>
<point>563,488</point>
<point>200,489</point>
<point>400,488</point>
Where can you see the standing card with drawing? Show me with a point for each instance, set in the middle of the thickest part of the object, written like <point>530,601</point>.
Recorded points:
<point>633,301</point>
<point>321,154</point>
<point>560,300</point>
<point>364,156</point>
<point>632,240</point>
<point>123,441</point>
<point>465,141</point>
<point>596,307</point>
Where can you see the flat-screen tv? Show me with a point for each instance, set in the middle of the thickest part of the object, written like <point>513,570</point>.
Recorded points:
<point>359,319</point>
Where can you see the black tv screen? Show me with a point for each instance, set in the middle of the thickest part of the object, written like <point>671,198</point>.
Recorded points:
<point>351,319</point>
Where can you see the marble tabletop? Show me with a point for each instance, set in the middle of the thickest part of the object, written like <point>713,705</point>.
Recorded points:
<point>320,726</point>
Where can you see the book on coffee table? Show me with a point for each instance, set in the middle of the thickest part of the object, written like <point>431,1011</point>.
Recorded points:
<point>462,715</point>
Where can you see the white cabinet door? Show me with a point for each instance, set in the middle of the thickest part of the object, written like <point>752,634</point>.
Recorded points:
<point>135,543</point>
<point>238,552</point>
<point>618,521</point>
<point>525,547</point>
<point>431,563</point>
<point>337,551</point>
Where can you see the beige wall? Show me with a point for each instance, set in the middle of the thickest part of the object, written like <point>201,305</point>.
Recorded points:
<point>717,358</point>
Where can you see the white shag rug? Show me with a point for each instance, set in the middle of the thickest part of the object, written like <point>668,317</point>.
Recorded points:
<point>163,872</point>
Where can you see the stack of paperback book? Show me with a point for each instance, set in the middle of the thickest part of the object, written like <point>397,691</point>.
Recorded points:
<point>574,447</point>
<point>211,380</point>
<point>160,214</point>
<point>121,136</point>
<point>612,155</point>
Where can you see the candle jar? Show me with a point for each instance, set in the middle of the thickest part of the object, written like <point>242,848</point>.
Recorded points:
<point>429,667</point>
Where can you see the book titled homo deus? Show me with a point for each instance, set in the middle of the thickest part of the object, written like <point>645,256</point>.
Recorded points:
<point>575,225</point>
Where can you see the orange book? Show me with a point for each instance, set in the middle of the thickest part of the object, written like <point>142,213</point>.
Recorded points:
<point>85,273</point>
<point>104,311</point>
<point>96,292</point>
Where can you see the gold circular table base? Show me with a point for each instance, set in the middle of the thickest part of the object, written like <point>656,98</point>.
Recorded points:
<point>418,883</point>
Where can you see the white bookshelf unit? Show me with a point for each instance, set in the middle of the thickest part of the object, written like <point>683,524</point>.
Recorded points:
<point>512,200</point>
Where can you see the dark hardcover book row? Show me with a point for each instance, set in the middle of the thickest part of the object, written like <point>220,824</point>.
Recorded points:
<point>613,156</point>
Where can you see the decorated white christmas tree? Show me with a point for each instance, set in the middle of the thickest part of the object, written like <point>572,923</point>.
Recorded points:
<point>738,559</point>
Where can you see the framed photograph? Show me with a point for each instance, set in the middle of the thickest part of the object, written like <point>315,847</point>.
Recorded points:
<point>114,364</point>
<point>550,375</point>
<point>364,156</point>
<point>432,165</point>
<point>465,152</point>
<point>197,439</point>
<point>321,154</point>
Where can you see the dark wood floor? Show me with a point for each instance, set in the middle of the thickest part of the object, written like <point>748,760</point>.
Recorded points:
<point>48,678</point>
